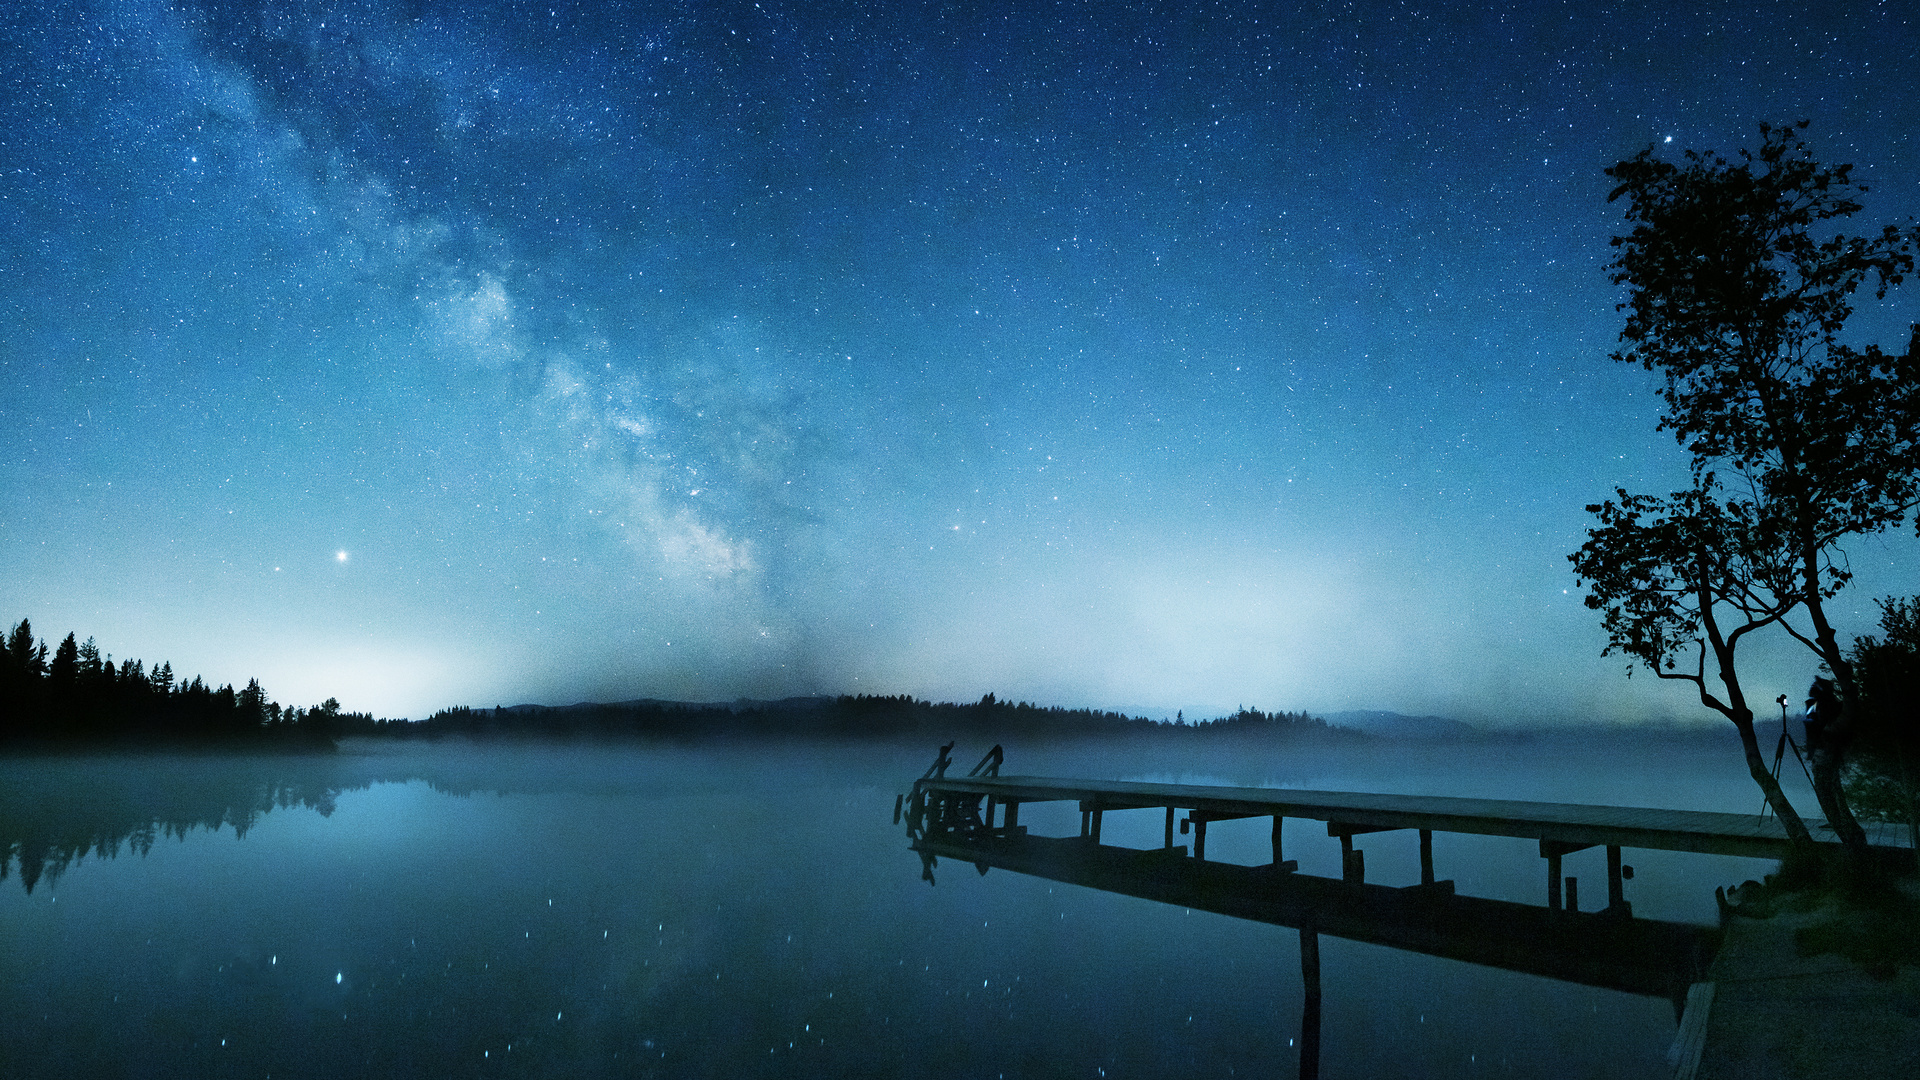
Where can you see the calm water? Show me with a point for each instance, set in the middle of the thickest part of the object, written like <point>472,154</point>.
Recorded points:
<point>453,910</point>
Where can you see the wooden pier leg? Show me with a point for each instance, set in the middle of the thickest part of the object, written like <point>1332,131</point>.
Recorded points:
<point>1616,893</point>
<point>1573,894</point>
<point>1277,859</point>
<point>1169,843</point>
<point>1346,857</point>
<point>1013,817</point>
<point>1426,856</point>
<point>1086,817</point>
<point>1310,1007</point>
<point>1553,881</point>
<point>1097,812</point>
<point>1200,839</point>
<point>992,804</point>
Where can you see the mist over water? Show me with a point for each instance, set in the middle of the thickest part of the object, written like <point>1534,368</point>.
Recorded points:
<point>751,910</point>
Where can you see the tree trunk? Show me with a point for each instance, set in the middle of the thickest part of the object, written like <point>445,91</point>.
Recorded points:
<point>1906,778</point>
<point>1826,763</point>
<point>1825,768</point>
<point>1757,765</point>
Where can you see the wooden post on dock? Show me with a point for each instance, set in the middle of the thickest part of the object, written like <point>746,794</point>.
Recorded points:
<point>1553,851</point>
<point>1426,856</point>
<point>1310,1007</point>
<point>1353,862</point>
<point>1616,893</point>
<point>1170,814</point>
<point>1278,861</point>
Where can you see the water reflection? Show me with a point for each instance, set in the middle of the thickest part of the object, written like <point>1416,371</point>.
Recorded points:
<point>59,809</point>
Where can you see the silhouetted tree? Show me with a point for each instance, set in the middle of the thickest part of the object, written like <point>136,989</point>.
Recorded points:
<point>162,678</point>
<point>1796,440</point>
<point>20,649</point>
<point>64,671</point>
<point>252,710</point>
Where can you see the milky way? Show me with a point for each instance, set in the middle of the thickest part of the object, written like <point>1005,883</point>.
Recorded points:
<point>1156,357</point>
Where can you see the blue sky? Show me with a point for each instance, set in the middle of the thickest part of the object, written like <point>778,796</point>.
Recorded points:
<point>1167,356</point>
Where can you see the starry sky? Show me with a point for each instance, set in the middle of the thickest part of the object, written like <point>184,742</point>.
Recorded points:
<point>1150,356</point>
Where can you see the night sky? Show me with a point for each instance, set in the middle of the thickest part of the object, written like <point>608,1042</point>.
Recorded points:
<point>1168,356</point>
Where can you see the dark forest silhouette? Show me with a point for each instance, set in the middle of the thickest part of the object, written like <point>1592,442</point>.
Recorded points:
<point>846,716</point>
<point>78,694</point>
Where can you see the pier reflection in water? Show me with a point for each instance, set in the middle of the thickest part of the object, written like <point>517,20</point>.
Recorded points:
<point>1608,948</point>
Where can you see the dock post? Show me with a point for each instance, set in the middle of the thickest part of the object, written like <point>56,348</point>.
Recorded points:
<point>1013,816</point>
<point>1086,818</point>
<point>991,806</point>
<point>1616,893</point>
<point>1573,894</point>
<point>1277,859</point>
<point>1310,1007</point>
<point>1096,824</point>
<point>1200,838</point>
<point>1169,843</point>
<point>1426,856</point>
<point>1553,880</point>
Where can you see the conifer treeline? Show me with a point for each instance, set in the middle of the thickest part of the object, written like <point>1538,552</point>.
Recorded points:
<point>846,717</point>
<point>79,694</point>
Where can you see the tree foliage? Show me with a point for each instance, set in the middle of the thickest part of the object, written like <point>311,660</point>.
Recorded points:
<point>1738,288</point>
<point>1884,780</point>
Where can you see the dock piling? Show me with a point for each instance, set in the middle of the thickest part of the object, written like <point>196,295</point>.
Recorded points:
<point>1090,814</point>
<point>1310,1006</point>
<point>1426,855</point>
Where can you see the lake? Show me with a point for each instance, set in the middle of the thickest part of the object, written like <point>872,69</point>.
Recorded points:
<point>516,909</point>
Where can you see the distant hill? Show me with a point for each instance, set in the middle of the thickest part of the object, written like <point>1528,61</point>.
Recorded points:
<point>1393,725</point>
<point>851,717</point>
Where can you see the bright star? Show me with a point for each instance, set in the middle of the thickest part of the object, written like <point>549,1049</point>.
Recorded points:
<point>340,556</point>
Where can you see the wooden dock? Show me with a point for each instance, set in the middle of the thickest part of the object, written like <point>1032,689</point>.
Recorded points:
<point>1560,828</point>
<point>976,819</point>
